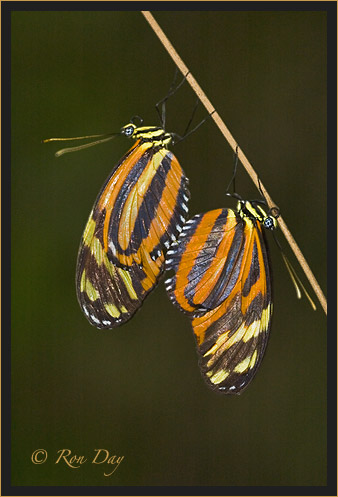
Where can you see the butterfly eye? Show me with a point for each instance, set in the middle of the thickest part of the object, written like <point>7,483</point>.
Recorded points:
<point>270,223</point>
<point>128,131</point>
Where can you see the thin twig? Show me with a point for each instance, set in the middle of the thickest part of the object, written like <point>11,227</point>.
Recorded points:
<point>241,156</point>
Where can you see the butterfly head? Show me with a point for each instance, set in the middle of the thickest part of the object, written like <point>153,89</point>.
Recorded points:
<point>254,210</point>
<point>150,134</point>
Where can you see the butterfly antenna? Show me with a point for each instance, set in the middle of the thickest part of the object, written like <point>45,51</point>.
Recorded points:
<point>294,277</point>
<point>103,138</point>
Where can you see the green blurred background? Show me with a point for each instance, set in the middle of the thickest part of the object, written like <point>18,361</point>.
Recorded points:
<point>137,391</point>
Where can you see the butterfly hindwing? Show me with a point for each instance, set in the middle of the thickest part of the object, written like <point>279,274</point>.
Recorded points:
<point>202,260</point>
<point>138,213</point>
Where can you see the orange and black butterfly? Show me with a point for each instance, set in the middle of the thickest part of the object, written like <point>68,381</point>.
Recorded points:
<point>139,211</point>
<point>222,281</point>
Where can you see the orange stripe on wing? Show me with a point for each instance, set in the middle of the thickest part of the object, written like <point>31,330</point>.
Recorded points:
<point>162,218</point>
<point>207,283</point>
<point>260,284</point>
<point>131,207</point>
<point>112,189</point>
<point>150,268</point>
<point>166,206</point>
<point>192,250</point>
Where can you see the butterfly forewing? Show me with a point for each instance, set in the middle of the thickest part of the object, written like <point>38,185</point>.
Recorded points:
<point>140,210</point>
<point>222,281</point>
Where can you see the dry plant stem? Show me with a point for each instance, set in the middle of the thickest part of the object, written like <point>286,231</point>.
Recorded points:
<point>241,156</point>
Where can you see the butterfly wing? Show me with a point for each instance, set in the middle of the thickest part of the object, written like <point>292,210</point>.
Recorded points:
<point>202,260</point>
<point>139,211</point>
<point>222,281</point>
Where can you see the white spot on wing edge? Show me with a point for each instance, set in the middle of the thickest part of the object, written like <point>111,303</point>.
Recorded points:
<point>93,318</point>
<point>86,312</point>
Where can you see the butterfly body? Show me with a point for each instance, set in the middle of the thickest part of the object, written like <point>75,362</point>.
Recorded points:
<point>222,282</point>
<point>139,211</point>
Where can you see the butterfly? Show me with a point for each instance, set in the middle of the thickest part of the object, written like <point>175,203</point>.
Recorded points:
<point>139,211</point>
<point>222,281</point>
